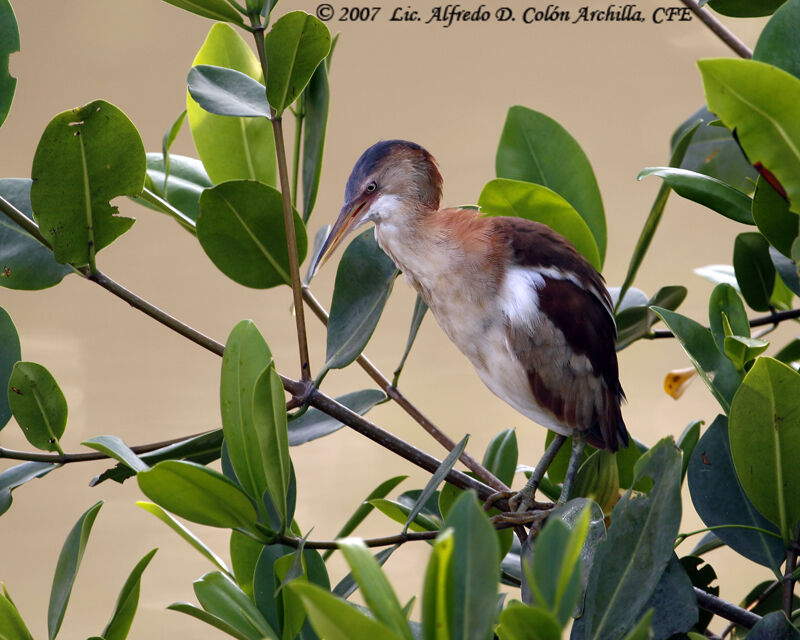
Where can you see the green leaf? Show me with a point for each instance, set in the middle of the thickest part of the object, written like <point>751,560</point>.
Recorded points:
<point>759,102</point>
<point>420,309</point>
<point>363,283</point>
<point>115,448</point>
<point>521,622</point>
<point>743,350</point>
<point>437,591</point>
<point>503,197</point>
<point>400,512</point>
<point>38,405</point>
<point>315,424</point>
<point>9,43</point>
<point>679,149</point>
<point>227,92</point>
<point>635,321</point>
<point>221,597</point>
<point>777,43</point>
<point>214,9</point>
<point>67,568</point>
<point>474,570</point>
<point>716,371</point>
<point>12,625</point>
<point>295,46</point>
<point>789,353</point>
<point>184,533</point>
<point>166,144</point>
<point>211,619</point>
<point>335,619</point>
<point>687,443</point>
<point>754,270</point>
<point>374,586</point>
<point>598,478</point>
<point>231,148</point>
<point>705,190</point>
<point>714,152</point>
<point>774,626</point>
<point>787,285</point>
<point>773,218</point>
<point>18,475</point>
<point>244,552</point>
<point>26,263</point>
<point>673,603</point>
<point>720,501</point>
<point>765,441</point>
<point>725,306</point>
<point>9,355</point>
<point>199,494</point>
<point>241,229</point>
<point>642,629</point>
<point>127,602</point>
<point>85,158</point>
<point>347,586</point>
<point>269,422</point>
<point>501,455</point>
<point>762,600</point>
<point>745,8</point>
<point>643,531</point>
<point>315,100</point>
<point>244,361</point>
<point>535,148</point>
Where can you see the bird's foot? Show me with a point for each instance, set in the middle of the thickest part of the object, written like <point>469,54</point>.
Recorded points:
<point>522,509</point>
<point>532,518</point>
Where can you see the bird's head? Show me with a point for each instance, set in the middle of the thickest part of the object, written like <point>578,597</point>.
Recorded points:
<point>393,181</point>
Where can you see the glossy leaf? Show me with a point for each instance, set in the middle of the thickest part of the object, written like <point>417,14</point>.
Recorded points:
<point>741,351</point>
<point>705,190</point>
<point>241,229</point>
<point>716,371</point>
<point>316,98</point>
<point>212,620</point>
<point>718,274</point>
<point>687,443</point>
<point>436,595</point>
<point>765,441</point>
<point>85,158</point>
<point>788,283</point>
<point>773,218</point>
<point>745,8</point>
<point>719,499</point>
<point>774,626</point>
<point>521,622</point>
<point>335,619</point>
<point>214,9</point>
<point>127,602</point>
<point>501,455</point>
<point>347,586</point>
<point>789,353</point>
<point>18,475</point>
<point>535,148</point>
<point>244,553</point>
<point>598,479</point>
<point>231,148</point>
<point>184,533</point>
<point>777,43</point>
<point>115,448</point>
<point>199,494</point>
<point>678,153</point>
<point>227,92</point>
<point>315,424</point>
<point>38,405</point>
<point>420,309</point>
<point>363,283</point>
<point>12,626</point>
<point>754,270</point>
<point>400,512</point>
<point>222,597</point>
<point>295,46</point>
<point>759,102</point>
<point>166,144</point>
<point>9,355</point>
<point>187,180</point>
<point>67,568</point>
<point>27,264</point>
<point>374,586</point>
<point>9,43</point>
<point>635,322</point>
<point>714,152</point>
<point>503,197</point>
<point>475,569</point>
<point>725,301</point>
<point>643,530</point>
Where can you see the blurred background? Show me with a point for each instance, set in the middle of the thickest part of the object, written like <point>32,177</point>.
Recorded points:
<point>619,88</point>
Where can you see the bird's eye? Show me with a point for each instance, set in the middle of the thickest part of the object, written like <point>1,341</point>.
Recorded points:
<point>371,187</point>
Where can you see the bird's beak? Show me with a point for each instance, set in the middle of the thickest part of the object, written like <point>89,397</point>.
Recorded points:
<point>350,218</point>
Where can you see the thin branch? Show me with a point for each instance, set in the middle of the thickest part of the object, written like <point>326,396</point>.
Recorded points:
<point>752,605</point>
<point>23,221</point>
<point>395,394</point>
<point>725,609</point>
<point>773,318</point>
<point>719,29</point>
<point>385,541</point>
<point>788,579</point>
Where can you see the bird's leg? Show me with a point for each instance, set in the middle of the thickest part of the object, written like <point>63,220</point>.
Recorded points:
<point>524,500</point>
<point>578,444</point>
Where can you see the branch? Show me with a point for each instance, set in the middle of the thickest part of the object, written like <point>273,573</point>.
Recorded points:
<point>394,393</point>
<point>774,318</point>
<point>725,609</point>
<point>385,541</point>
<point>788,579</point>
<point>719,29</point>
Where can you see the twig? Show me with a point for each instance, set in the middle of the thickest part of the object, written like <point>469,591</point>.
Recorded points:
<point>788,579</point>
<point>752,605</point>
<point>719,29</point>
<point>385,541</point>
<point>773,318</point>
<point>725,609</point>
<point>395,394</point>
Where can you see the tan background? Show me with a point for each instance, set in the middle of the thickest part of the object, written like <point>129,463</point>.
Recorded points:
<point>620,89</point>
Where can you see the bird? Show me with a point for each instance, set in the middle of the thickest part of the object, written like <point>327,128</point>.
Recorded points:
<point>530,313</point>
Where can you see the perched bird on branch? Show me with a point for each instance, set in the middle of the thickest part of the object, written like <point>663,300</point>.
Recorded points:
<point>529,312</point>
